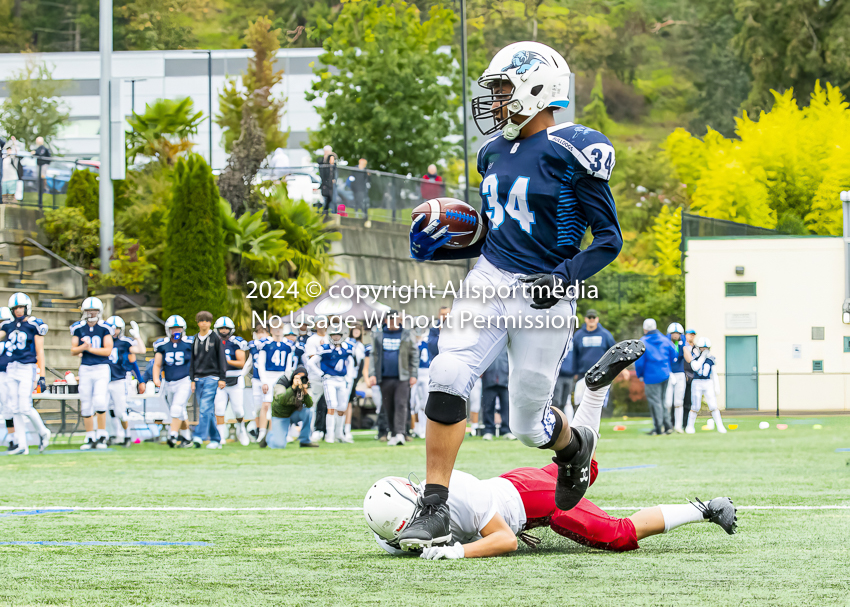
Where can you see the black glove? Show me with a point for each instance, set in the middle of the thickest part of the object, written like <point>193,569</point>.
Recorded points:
<point>42,384</point>
<point>546,290</point>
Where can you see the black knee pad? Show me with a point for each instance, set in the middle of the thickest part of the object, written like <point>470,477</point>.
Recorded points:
<point>556,432</point>
<point>10,423</point>
<point>100,412</point>
<point>112,413</point>
<point>443,408</point>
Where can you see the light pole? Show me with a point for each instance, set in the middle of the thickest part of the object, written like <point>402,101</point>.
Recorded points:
<point>465,109</point>
<point>133,82</point>
<point>105,206</point>
<point>209,93</point>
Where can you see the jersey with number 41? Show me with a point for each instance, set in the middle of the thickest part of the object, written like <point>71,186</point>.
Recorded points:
<point>541,193</point>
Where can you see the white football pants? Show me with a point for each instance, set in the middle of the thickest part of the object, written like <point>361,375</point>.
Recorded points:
<point>94,390</point>
<point>336,393</point>
<point>235,395</point>
<point>118,398</point>
<point>536,340</point>
<point>177,395</point>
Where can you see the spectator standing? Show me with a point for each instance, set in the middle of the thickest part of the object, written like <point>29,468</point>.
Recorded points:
<point>494,383</point>
<point>689,353</point>
<point>360,187</point>
<point>291,404</point>
<point>327,173</point>
<point>394,367</point>
<point>654,369</point>
<point>207,372</point>
<point>589,344</point>
<point>43,153</point>
<point>434,333</point>
<point>432,185</point>
<point>562,395</point>
<point>13,171</point>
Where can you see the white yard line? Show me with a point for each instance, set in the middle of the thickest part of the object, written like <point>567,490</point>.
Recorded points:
<point>337,508</point>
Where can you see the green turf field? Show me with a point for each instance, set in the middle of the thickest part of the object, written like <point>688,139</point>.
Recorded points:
<point>267,557</point>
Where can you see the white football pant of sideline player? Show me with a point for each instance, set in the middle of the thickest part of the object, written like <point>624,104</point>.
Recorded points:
<point>675,398</point>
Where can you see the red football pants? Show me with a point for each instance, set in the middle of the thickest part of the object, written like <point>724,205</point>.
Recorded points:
<point>586,524</point>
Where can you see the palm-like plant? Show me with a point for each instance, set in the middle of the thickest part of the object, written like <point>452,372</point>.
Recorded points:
<point>251,246</point>
<point>163,131</point>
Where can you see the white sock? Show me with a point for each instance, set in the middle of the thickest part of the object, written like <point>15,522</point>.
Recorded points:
<point>677,515</point>
<point>240,427</point>
<point>224,431</point>
<point>119,432</point>
<point>692,419</point>
<point>340,426</point>
<point>590,412</point>
<point>90,435</point>
<point>20,429</point>
<point>347,429</point>
<point>677,414</point>
<point>261,435</point>
<point>474,427</point>
<point>172,434</point>
<point>35,420</point>
<point>717,419</point>
<point>329,424</point>
<point>101,432</point>
<point>187,434</point>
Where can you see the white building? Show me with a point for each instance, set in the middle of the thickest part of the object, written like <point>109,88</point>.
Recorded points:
<point>150,75</point>
<point>768,304</point>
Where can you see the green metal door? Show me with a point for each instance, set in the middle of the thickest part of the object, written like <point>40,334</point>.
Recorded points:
<point>742,387</point>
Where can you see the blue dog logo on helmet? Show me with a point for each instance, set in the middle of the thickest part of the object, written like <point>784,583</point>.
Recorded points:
<point>524,61</point>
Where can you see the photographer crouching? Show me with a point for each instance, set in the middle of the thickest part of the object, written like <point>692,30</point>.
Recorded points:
<point>291,404</point>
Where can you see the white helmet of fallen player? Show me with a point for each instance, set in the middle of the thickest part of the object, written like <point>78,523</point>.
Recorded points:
<point>704,342</point>
<point>175,326</point>
<point>116,322</point>
<point>6,314</point>
<point>523,78</point>
<point>675,327</point>
<point>92,309</point>
<point>389,506</point>
<point>18,300</point>
<point>224,322</point>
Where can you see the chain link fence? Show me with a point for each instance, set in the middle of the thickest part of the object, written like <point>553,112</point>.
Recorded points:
<point>39,181</point>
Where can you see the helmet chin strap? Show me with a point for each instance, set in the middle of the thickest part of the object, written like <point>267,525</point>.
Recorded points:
<point>513,130</point>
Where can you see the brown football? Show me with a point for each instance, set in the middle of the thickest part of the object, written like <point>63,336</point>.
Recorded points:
<point>464,222</point>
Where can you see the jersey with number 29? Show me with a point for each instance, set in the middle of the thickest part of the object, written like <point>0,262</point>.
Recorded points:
<point>20,338</point>
<point>541,193</point>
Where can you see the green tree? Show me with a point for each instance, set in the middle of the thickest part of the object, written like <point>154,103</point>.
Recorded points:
<point>13,35</point>
<point>255,92</point>
<point>159,24</point>
<point>32,109</point>
<point>594,114</point>
<point>83,194</point>
<point>390,98</point>
<point>163,131</point>
<point>249,151</point>
<point>194,273</point>
<point>667,232</point>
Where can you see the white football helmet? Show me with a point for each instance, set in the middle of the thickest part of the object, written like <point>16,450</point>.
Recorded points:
<point>92,309</point>
<point>337,331</point>
<point>6,314</point>
<point>224,322</point>
<point>389,506</point>
<point>675,327</point>
<point>20,299</point>
<point>320,321</point>
<point>539,77</point>
<point>703,342</point>
<point>289,330</point>
<point>116,322</point>
<point>175,322</point>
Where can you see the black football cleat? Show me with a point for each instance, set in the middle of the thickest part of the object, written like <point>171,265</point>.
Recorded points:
<point>431,525</point>
<point>127,442</point>
<point>574,475</point>
<point>12,447</point>
<point>618,357</point>
<point>720,511</point>
<point>172,441</point>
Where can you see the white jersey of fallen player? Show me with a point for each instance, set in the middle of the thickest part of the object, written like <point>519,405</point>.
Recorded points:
<point>472,505</point>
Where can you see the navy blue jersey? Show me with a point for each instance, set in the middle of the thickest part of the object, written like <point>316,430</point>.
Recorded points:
<point>176,356</point>
<point>539,195</point>
<point>279,355</point>
<point>424,355</point>
<point>334,359</point>
<point>95,335</point>
<point>254,347</point>
<point>705,367</point>
<point>678,365</point>
<point>231,345</point>
<point>119,358</point>
<point>20,338</point>
<point>5,357</point>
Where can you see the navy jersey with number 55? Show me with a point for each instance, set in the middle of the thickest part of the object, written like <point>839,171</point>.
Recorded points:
<point>176,356</point>
<point>539,195</point>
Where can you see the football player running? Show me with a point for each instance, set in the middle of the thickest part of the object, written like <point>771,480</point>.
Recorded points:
<point>331,360</point>
<point>261,336</point>
<point>24,336</point>
<point>542,186</point>
<point>173,356</point>
<point>91,338</point>
<point>122,360</point>
<point>234,384</point>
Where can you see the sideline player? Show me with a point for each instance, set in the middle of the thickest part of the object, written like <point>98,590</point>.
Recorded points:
<point>234,383</point>
<point>122,360</point>
<point>91,338</point>
<point>675,397</point>
<point>172,356</point>
<point>419,391</point>
<point>705,383</point>
<point>332,361</point>
<point>260,337</point>
<point>543,185</point>
<point>5,401</point>
<point>25,347</point>
<point>276,358</point>
<point>487,516</point>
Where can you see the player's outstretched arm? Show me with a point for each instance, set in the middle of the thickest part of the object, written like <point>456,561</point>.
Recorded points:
<point>497,538</point>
